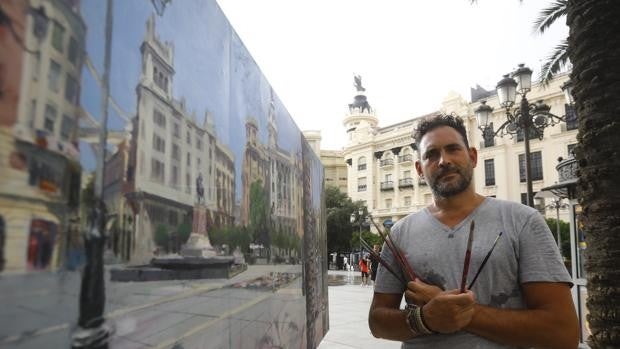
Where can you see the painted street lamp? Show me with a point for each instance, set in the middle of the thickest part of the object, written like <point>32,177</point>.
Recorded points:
<point>527,119</point>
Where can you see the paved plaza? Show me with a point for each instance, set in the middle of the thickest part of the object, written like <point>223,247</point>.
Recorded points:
<point>349,303</point>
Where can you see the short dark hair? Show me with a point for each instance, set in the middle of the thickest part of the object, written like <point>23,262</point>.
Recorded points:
<point>432,122</point>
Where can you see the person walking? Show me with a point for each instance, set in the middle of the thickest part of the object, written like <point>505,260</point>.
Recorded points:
<point>521,299</point>
<point>363,263</point>
<point>374,263</point>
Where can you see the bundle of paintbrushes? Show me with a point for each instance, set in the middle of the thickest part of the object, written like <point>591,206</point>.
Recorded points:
<point>406,267</point>
<point>396,252</point>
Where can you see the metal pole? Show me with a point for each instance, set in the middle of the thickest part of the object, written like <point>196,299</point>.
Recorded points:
<point>557,224</point>
<point>93,332</point>
<point>526,123</point>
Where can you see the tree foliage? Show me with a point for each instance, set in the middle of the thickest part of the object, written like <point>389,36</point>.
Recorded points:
<point>339,228</point>
<point>564,234</point>
<point>259,214</point>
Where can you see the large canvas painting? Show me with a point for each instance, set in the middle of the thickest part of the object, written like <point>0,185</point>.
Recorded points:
<point>155,192</point>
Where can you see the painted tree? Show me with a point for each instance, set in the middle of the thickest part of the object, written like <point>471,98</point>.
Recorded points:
<point>259,223</point>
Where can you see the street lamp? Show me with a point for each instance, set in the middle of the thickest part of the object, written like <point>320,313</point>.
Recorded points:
<point>525,118</point>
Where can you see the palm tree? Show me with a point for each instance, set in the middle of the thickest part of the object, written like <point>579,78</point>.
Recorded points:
<point>594,50</point>
<point>558,58</point>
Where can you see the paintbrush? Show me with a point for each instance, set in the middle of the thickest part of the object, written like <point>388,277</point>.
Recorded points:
<point>470,240</point>
<point>404,264</point>
<point>384,263</point>
<point>486,258</point>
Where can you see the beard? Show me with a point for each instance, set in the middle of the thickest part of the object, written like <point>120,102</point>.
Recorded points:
<point>448,188</point>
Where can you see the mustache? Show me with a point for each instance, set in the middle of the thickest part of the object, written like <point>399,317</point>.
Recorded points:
<point>446,171</point>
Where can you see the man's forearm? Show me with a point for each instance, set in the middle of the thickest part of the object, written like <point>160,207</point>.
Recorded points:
<point>388,323</point>
<point>528,327</point>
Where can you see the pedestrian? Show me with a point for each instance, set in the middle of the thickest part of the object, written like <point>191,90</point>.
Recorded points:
<point>363,263</point>
<point>374,263</point>
<point>521,299</point>
<point>346,263</point>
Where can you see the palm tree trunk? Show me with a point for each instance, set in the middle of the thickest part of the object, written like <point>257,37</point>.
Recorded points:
<point>594,50</point>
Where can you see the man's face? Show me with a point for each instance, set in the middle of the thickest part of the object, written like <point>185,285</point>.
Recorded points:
<point>445,162</point>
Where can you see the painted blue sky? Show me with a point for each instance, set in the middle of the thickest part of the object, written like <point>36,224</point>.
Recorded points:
<point>214,72</point>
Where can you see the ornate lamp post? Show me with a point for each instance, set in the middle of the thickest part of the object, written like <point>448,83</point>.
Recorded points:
<point>530,119</point>
<point>556,204</point>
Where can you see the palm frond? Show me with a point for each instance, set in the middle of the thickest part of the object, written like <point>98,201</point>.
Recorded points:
<point>554,63</point>
<point>549,15</point>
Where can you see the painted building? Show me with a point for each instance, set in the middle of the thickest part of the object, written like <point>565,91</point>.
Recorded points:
<point>278,172</point>
<point>170,154</point>
<point>381,160</point>
<point>38,141</point>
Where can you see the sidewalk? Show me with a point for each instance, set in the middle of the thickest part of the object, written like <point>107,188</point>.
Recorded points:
<point>348,315</point>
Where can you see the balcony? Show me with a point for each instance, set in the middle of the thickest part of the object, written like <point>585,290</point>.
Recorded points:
<point>388,185</point>
<point>386,162</point>
<point>361,167</point>
<point>405,183</point>
<point>361,187</point>
<point>422,182</point>
<point>407,158</point>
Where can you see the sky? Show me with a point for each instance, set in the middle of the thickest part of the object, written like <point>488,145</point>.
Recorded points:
<point>410,54</point>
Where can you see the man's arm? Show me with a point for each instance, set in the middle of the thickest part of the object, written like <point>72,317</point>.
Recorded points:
<point>549,322</point>
<point>386,320</point>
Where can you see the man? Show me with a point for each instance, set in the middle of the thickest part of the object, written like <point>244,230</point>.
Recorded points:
<point>522,297</point>
<point>374,263</point>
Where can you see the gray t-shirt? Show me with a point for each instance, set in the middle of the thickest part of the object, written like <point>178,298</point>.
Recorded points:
<point>526,252</point>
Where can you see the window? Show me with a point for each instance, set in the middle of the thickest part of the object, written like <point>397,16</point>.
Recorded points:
<point>198,161</point>
<point>159,144</point>
<point>361,184</point>
<point>489,138</point>
<point>188,181</point>
<point>53,77</point>
<point>534,133</point>
<point>174,180</point>
<point>37,67</point>
<point>407,201</point>
<point>67,128</point>
<point>176,152</point>
<point>524,198</point>
<point>388,203</point>
<point>407,174</point>
<point>157,170</point>
<point>489,172</point>
<point>57,36</point>
<point>571,117</point>
<point>388,177</point>
<point>535,163</point>
<point>50,118</point>
<point>159,119</point>
<point>189,161</point>
<point>189,138</point>
<point>71,90</point>
<point>198,142</point>
<point>361,163</point>
<point>73,51</point>
<point>176,130</point>
<point>33,113</point>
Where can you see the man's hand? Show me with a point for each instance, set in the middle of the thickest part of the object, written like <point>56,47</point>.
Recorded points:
<point>449,311</point>
<point>420,293</point>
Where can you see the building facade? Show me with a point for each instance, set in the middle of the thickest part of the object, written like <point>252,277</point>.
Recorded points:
<point>381,160</point>
<point>332,160</point>
<point>38,139</point>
